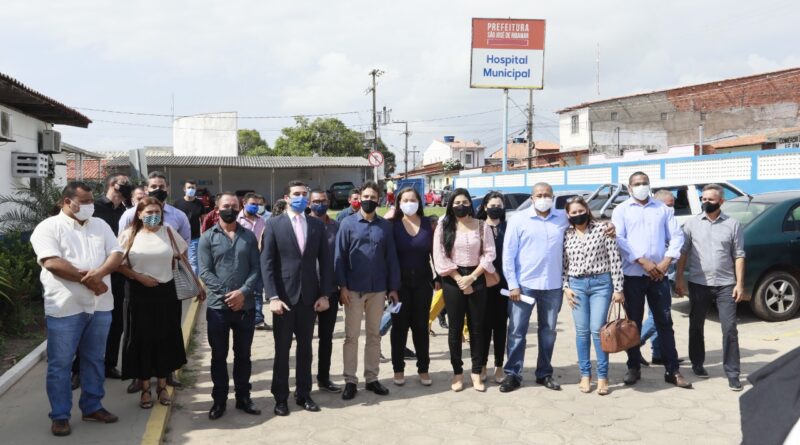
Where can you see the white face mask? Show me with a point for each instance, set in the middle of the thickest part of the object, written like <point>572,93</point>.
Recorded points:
<point>641,192</point>
<point>261,210</point>
<point>86,212</point>
<point>409,208</point>
<point>543,204</point>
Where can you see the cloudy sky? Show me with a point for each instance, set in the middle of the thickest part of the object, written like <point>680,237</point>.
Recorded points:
<point>276,58</point>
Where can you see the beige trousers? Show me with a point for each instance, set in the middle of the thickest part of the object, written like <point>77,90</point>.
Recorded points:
<point>361,303</point>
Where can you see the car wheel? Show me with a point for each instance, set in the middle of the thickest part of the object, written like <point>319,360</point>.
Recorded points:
<point>777,297</point>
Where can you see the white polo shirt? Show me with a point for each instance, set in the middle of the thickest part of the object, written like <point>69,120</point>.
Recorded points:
<point>86,246</point>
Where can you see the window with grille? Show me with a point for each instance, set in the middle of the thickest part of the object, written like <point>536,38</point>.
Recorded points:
<point>575,124</point>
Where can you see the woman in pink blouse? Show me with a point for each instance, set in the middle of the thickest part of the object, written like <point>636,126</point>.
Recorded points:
<point>463,249</point>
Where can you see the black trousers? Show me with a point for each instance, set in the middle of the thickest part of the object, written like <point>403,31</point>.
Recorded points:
<point>299,323</point>
<point>700,298</point>
<point>220,324</point>
<point>474,307</point>
<point>326,322</point>
<point>117,324</point>
<point>416,293</point>
<point>496,325</point>
<point>658,295</point>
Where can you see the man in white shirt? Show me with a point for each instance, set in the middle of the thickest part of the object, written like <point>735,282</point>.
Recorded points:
<point>77,253</point>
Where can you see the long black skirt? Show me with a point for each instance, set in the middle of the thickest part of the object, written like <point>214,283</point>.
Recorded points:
<point>154,344</point>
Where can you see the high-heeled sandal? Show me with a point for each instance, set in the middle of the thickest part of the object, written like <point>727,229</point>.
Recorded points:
<point>166,401</point>
<point>146,404</point>
<point>602,387</point>
<point>586,385</point>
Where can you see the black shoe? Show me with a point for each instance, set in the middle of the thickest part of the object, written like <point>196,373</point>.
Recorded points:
<point>113,373</point>
<point>632,376</point>
<point>135,386</point>
<point>75,381</point>
<point>248,406</point>
<point>700,371</point>
<point>350,390</point>
<point>510,383</point>
<point>377,388</point>
<point>409,354</point>
<point>281,409</point>
<point>734,384</point>
<point>307,403</point>
<point>216,411</point>
<point>328,386</point>
<point>173,381</point>
<point>549,383</point>
<point>442,321</point>
<point>677,379</point>
<point>264,326</point>
<point>644,362</point>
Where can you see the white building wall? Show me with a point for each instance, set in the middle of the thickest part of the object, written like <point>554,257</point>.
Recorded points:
<point>436,152</point>
<point>25,130</point>
<point>580,140</point>
<point>212,134</point>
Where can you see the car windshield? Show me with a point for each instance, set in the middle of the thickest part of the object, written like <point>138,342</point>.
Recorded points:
<point>745,211</point>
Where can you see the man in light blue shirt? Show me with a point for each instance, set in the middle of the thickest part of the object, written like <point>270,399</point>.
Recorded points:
<point>649,240</point>
<point>157,187</point>
<point>532,265</point>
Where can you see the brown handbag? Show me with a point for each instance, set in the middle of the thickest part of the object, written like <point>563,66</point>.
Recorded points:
<point>619,334</point>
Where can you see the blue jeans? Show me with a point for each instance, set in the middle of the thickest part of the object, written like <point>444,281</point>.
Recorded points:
<point>65,336</point>
<point>549,303</point>
<point>592,298</point>
<point>193,255</point>
<point>658,296</point>
<point>259,293</point>
<point>649,332</point>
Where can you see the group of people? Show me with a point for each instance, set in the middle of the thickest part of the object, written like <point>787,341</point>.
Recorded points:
<point>115,270</point>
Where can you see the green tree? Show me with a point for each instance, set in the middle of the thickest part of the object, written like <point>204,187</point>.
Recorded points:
<point>389,161</point>
<point>251,144</point>
<point>29,205</point>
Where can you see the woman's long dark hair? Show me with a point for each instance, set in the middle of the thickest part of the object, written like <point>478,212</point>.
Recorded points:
<point>137,223</point>
<point>481,213</point>
<point>398,214</point>
<point>449,224</point>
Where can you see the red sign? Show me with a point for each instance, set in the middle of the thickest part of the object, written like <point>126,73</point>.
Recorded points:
<point>507,53</point>
<point>375,158</point>
<point>508,33</point>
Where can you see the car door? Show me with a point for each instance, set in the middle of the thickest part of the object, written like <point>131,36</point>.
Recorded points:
<point>791,231</point>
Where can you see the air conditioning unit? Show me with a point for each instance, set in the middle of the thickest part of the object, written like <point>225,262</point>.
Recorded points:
<point>29,165</point>
<point>6,129</point>
<point>50,141</point>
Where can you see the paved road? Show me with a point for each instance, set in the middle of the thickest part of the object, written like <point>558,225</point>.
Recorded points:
<point>25,407</point>
<point>651,412</point>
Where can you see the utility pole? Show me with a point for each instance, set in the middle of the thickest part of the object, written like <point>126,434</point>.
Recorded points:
<point>414,154</point>
<point>530,129</point>
<point>375,73</point>
<point>700,130</point>
<point>505,128</point>
<point>405,149</point>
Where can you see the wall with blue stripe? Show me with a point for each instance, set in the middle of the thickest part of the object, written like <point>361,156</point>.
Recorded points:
<point>754,172</point>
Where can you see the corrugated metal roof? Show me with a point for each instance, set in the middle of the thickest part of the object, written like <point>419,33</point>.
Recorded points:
<point>247,161</point>
<point>33,103</point>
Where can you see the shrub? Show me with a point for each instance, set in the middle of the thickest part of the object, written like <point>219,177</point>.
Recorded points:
<point>20,290</point>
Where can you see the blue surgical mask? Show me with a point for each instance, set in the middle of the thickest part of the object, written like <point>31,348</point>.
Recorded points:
<point>190,192</point>
<point>299,203</point>
<point>251,209</point>
<point>319,209</point>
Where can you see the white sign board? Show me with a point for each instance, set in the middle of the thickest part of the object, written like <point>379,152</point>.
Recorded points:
<point>507,53</point>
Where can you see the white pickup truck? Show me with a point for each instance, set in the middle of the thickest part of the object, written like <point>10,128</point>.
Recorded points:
<point>687,197</point>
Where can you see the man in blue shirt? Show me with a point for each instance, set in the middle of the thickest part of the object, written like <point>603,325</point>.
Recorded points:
<point>355,204</point>
<point>649,240</point>
<point>532,265</point>
<point>366,270</point>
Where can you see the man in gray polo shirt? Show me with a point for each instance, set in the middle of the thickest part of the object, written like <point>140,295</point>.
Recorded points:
<point>714,251</point>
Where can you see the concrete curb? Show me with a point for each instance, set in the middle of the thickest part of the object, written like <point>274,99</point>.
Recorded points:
<point>12,376</point>
<point>159,415</point>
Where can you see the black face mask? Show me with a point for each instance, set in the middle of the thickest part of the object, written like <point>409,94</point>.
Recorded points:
<point>228,215</point>
<point>710,207</point>
<point>369,206</point>
<point>159,194</point>
<point>495,212</point>
<point>462,211</point>
<point>579,220</point>
<point>125,190</point>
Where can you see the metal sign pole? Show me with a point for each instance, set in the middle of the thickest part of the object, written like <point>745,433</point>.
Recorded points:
<point>505,127</point>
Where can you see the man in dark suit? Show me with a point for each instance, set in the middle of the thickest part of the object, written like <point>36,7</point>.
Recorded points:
<point>293,245</point>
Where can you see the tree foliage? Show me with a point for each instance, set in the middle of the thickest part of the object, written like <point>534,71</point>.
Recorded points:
<point>29,205</point>
<point>252,144</point>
